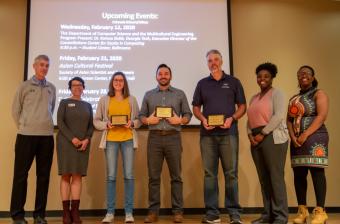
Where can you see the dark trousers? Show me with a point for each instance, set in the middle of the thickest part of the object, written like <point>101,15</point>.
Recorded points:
<point>168,147</point>
<point>26,148</point>
<point>319,183</point>
<point>270,159</point>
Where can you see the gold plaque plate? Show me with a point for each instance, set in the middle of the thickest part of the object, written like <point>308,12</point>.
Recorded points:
<point>216,120</point>
<point>163,112</point>
<point>119,119</point>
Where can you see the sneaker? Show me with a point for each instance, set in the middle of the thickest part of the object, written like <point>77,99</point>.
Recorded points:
<point>211,220</point>
<point>235,221</point>
<point>108,218</point>
<point>129,218</point>
<point>40,220</point>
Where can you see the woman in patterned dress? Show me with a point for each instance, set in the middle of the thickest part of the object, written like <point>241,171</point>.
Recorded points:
<point>307,113</point>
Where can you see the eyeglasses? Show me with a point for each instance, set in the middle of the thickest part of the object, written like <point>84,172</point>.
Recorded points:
<point>302,73</point>
<point>77,85</point>
<point>118,80</point>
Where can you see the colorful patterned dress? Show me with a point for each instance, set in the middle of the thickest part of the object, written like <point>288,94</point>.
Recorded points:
<point>314,151</point>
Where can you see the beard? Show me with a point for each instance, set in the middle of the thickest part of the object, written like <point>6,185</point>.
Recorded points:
<point>214,69</point>
<point>164,82</point>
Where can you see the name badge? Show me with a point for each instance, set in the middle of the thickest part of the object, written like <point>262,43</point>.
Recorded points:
<point>71,105</point>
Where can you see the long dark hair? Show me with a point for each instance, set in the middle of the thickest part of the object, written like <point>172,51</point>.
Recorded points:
<point>126,91</point>
<point>315,82</point>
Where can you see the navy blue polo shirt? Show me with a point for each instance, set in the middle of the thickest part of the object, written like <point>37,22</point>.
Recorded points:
<point>219,97</point>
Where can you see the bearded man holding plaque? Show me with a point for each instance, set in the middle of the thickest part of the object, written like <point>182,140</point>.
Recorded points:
<point>164,110</point>
<point>223,102</point>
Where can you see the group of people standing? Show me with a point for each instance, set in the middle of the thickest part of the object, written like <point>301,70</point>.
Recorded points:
<point>164,110</point>
<point>268,135</point>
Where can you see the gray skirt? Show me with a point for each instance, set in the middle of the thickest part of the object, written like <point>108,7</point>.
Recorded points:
<point>70,160</point>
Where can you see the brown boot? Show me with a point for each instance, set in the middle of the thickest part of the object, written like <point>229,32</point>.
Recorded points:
<point>75,211</point>
<point>66,212</point>
<point>319,216</point>
<point>178,217</point>
<point>151,217</point>
<point>302,215</point>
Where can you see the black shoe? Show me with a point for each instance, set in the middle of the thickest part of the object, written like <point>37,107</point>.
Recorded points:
<point>40,220</point>
<point>19,221</point>
<point>262,220</point>
<point>279,222</point>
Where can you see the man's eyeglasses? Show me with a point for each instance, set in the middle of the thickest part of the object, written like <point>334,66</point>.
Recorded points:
<point>77,85</point>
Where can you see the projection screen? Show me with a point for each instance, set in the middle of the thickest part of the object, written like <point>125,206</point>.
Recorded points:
<point>93,39</point>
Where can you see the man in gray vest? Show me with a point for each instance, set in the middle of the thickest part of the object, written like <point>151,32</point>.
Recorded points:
<point>32,111</point>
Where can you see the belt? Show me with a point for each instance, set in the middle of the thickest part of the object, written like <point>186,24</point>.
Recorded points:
<point>164,132</point>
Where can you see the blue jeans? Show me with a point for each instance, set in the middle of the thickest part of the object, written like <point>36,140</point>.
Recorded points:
<point>213,149</point>
<point>111,155</point>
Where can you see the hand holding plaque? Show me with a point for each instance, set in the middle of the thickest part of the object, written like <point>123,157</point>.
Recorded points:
<point>216,120</point>
<point>174,120</point>
<point>152,119</point>
<point>163,112</point>
<point>119,120</point>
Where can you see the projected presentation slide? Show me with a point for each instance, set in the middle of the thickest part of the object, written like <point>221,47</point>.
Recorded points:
<point>94,39</point>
